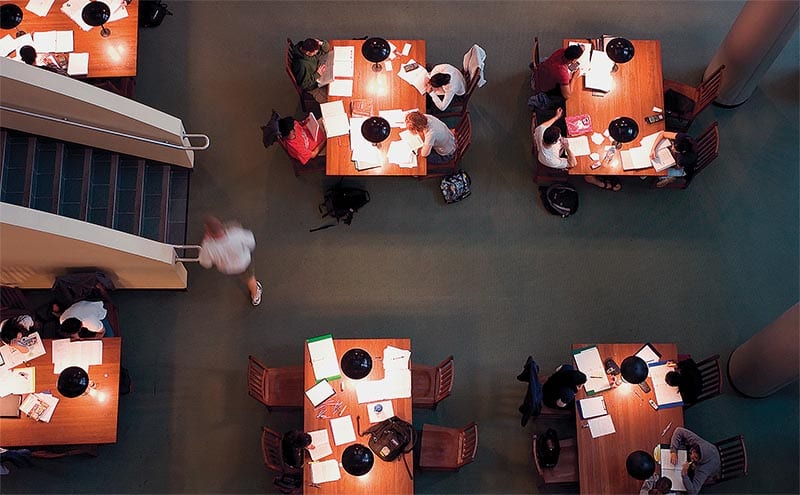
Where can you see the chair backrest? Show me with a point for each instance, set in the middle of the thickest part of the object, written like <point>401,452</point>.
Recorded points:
<point>289,45</point>
<point>711,377</point>
<point>708,90</point>
<point>271,450</point>
<point>566,469</point>
<point>469,444</point>
<point>257,380</point>
<point>463,132</point>
<point>316,164</point>
<point>707,147</point>
<point>444,379</point>
<point>534,65</point>
<point>472,83</point>
<point>733,457</point>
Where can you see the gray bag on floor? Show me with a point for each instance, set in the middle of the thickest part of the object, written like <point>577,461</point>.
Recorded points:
<point>456,187</point>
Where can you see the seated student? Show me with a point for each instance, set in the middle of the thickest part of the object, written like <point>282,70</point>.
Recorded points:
<point>13,329</point>
<point>560,388</point>
<point>687,378</point>
<point>306,66</point>
<point>445,82</point>
<point>85,320</point>
<point>704,461</point>
<point>557,74</point>
<point>293,444</point>
<point>299,141</point>
<point>439,144</point>
<point>554,152</point>
<point>656,485</point>
<point>682,150</point>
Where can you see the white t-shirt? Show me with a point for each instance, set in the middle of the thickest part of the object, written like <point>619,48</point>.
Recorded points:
<point>438,138</point>
<point>89,313</point>
<point>457,86</point>
<point>231,253</point>
<point>549,156</point>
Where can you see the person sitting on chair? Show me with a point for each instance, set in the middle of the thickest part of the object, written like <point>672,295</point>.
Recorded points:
<point>299,141</point>
<point>439,144</point>
<point>656,485</point>
<point>293,445</point>
<point>306,67</point>
<point>85,320</point>
<point>557,74</point>
<point>13,329</point>
<point>560,388</point>
<point>444,83</point>
<point>682,149</point>
<point>704,461</point>
<point>687,378</point>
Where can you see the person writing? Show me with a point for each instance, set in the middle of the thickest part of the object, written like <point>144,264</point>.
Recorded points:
<point>704,461</point>
<point>557,74</point>
<point>439,144</point>
<point>682,150</point>
<point>686,376</point>
<point>85,320</point>
<point>299,141</point>
<point>13,329</point>
<point>560,388</point>
<point>293,445</point>
<point>444,83</point>
<point>306,67</point>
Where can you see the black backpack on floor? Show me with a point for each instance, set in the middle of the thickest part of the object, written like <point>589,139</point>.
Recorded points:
<point>342,201</point>
<point>559,199</point>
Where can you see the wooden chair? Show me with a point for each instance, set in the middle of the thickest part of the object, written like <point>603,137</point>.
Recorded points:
<point>447,449</point>
<point>700,97</point>
<point>316,164</point>
<point>463,135</point>
<point>542,174</point>
<point>13,303</point>
<point>458,106</point>
<point>272,452</point>
<point>275,387</point>
<point>733,458</point>
<point>534,65</point>
<point>431,384</point>
<point>712,379</point>
<point>307,101</point>
<point>565,472</point>
<point>707,148</point>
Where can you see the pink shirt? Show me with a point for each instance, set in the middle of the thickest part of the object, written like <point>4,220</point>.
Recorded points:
<point>303,144</point>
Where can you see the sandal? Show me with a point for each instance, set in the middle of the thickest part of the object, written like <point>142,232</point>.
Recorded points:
<point>611,185</point>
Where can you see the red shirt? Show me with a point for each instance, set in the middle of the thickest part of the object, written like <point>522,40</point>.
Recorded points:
<point>303,144</point>
<point>553,72</point>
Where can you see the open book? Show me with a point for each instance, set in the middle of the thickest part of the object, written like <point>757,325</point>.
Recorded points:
<point>673,471</point>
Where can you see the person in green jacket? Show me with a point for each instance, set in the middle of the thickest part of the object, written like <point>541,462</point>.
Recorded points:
<point>306,66</point>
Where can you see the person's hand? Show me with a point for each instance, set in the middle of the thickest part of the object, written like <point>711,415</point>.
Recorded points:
<point>653,157</point>
<point>576,73</point>
<point>321,69</point>
<point>685,469</point>
<point>673,458</point>
<point>559,113</point>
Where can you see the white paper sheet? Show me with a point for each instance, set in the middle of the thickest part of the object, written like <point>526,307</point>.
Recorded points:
<point>673,471</point>
<point>412,140</point>
<point>406,49</point>
<point>395,117</point>
<point>18,381</point>
<point>589,363</point>
<point>322,472</point>
<point>415,78</point>
<point>343,431</point>
<point>82,353</point>
<point>73,9</point>
<point>39,7</point>
<point>635,158</point>
<point>319,392</point>
<point>666,395</point>
<point>341,87</point>
<point>7,45</point>
<point>592,407</point>
<point>401,154</point>
<point>386,411</point>
<point>78,64</point>
<point>323,359</point>
<point>64,41</point>
<point>25,39</point>
<point>579,145</point>
<point>44,41</point>
<point>336,122</point>
<point>343,57</point>
<point>601,426</point>
<point>320,445</point>
<point>118,10</point>
<point>395,358</point>
<point>397,383</point>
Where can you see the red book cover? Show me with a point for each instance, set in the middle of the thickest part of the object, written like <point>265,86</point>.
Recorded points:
<point>578,124</point>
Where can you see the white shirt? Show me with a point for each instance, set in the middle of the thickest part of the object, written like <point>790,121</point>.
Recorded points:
<point>438,138</point>
<point>231,253</point>
<point>89,313</point>
<point>442,96</point>
<point>549,156</point>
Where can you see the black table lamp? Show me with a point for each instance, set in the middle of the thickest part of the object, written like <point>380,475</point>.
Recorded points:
<point>11,17</point>
<point>376,50</point>
<point>357,459</point>
<point>620,50</point>
<point>634,369</point>
<point>72,382</point>
<point>375,130</point>
<point>97,14</point>
<point>640,465</point>
<point>356,364</point>
<point>623,130</point>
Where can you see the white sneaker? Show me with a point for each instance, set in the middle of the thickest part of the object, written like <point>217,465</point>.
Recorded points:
<point>259,290</point>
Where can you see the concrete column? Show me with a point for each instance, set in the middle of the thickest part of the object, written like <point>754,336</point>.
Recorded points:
<point>754,41</point>
<point>770,360</point>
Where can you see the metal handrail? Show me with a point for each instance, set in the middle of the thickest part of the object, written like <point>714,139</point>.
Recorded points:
<point>65,120</point>
<point>185,247</point>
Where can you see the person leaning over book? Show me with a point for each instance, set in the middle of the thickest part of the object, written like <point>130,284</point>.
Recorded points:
<point>439,144</point>
<point>306,67</point>
<point>557,74</point>
<point>704,461</point>
<point>298,140</point>
<point>686,376</point>
<point>682,149</point>
<point>445,82</point>
<point>13,329</point>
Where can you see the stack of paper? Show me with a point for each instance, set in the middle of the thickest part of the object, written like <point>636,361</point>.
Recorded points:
<point>11,356</point>
<point>78,64</point>
<point>73,10</point>
<point>322,472</point>
<point>320,445</point>
<point>323,357</point>
<point>82,353</point>
<point>336,122</point>
<point>7,45</point>
<point>589,363</point>
<point>666,395</point>
<point>592,407</point>
<point>635,158</point>
<point>601,426</point>
<point>401,154</point>
<point>343,431</point>
<point>343,57</point>
<point>579,145</point>
<point>341,87</point>
<point>39,406</point>
<point>319,393</point>
<point>396,382</point>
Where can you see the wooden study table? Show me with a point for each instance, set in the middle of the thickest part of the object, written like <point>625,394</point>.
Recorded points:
<point>384,477</point>
<point>601,461</point>
<point>387,91</point>
<point>114,56</point>
<point>638,87</point>
<point>87,419</point>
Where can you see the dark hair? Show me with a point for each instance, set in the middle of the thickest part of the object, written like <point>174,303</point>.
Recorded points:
<point>661,486</point>
<point>696,448</point>
<point>551,135</point>
<point>28,54</point>
<point>673,378</point>
<point>298,439</point>
<point>71,326</point>
<point>683,143</point>
<point>439,80</point>
<point>573,52</point>
<point>285,125</point>
<point>11,329</point>
<point>578,377</point>
<point>310,45</point>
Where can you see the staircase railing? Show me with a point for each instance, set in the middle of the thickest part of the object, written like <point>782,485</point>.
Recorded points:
<point>65,120</point>
<point>187,246</point>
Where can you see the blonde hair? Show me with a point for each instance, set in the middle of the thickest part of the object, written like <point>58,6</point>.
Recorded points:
<point>416,122</point>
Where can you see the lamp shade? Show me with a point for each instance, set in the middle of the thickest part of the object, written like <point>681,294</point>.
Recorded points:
<point>10,16</point>
<point>357,459</point>
<point>640,465</point>
<point>376,50</point>
<point>72,382</point>
<point>634,369</point>
<point>620,50</point>
<point>356,364</point>
<point>623,129</point>
<point>375,129</point>
<point>95,13</point>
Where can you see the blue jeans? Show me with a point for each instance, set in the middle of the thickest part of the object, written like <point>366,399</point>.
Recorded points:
<point>436,159</point>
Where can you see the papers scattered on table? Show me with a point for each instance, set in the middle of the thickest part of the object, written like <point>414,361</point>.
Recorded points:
<point>673,471</point>
<point>343,431</point>
<point>395,117</point>
<point>386,411</point>
<point>320,445</point>
<point>589,363</point>
<point>73,10</point>
<point>401,154</point>
<point>39,406</point>
<point>11,356</point>
<point>343,57</point>
<point>341,87</point>
<point>322,472</point>
<point>579,145</point>
<point>666,395</point>
<point>39,7</point>
<point>395,358</point>
<point>365,154</point>
<point>413,140</point>
<point>387,65</point>
<point>396,382</point>
<point>406,49</point>
<point>415,78</point>
<point>648,354</point>
<point>319,393</point>
<point>592,407</point>
<point>53,41</point>
<point>7,45</point>
<point>598,138</point>
<point>336,122</point>
<point>118,10</point>
<point>78,64</point>
<point>81,353</point>
<point>19,381</point>
<point>601,426</point>
<point>599,75</point>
